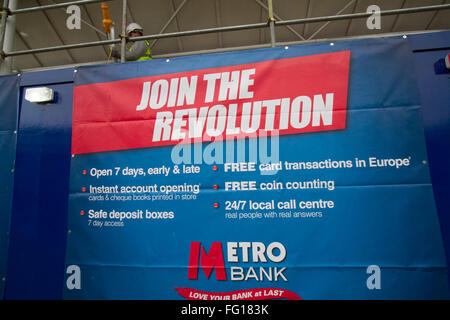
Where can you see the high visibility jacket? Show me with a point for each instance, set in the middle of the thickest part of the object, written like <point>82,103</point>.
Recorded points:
<point>148,53</point>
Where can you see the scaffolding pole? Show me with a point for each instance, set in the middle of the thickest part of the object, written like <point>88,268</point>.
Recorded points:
<point>271,23</point>
<point>123,36</point>
<point>56,6</point>
<point>8,40</point>
<point>5,11</point>
<point>149,37</point>
<point>363,15</point>
<point>231,28</point>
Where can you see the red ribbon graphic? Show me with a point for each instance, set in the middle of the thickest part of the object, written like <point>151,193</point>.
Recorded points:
<point>247,294</point>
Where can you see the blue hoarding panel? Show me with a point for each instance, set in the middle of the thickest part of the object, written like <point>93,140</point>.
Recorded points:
<point>346,211</point>
<point>39,218</point>
<point>9,95</point>
<point>434,83</point>
<point>356,208</point>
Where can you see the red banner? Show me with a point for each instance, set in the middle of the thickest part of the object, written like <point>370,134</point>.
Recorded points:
<point>285,96</point>
<point>247,294</point>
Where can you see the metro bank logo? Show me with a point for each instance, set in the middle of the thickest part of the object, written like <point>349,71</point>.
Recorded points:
<point>238,252</point>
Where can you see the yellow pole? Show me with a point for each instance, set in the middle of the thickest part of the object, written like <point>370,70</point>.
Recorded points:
<point>270,10</point>
<point>107,22</point>
<point>271,24</point>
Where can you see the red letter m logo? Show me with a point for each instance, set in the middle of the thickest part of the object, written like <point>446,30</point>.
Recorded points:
<point>208,261</point>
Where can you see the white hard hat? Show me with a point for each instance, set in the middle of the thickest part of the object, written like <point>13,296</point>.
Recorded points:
<point>134,27</point>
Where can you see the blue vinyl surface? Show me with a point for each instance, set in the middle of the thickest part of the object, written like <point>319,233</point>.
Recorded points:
<point>9,95</point>
<point>398,106</point>
<point>39,219</point>
<point>381,215</point>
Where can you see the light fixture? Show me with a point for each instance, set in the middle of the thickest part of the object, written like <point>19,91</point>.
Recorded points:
<point>39,95</point>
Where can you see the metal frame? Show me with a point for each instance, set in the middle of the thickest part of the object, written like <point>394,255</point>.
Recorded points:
<point>174,15</point>
<point>271,24</point>
<point>3,26</point>
<point>56,6</point>
<point>276,16</point>
<point>8,26</point>
<point>352,2</point>
<point>123,36</point>
<point>55,30</point>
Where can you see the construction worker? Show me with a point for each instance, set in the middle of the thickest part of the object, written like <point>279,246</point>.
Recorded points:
<point>137,50</point>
